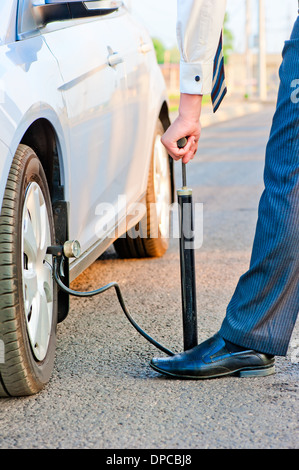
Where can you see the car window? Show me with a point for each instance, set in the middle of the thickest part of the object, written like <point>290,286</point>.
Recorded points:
<point>28,22</point>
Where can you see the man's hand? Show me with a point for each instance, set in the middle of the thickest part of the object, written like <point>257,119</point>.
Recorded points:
<point>187,124</point>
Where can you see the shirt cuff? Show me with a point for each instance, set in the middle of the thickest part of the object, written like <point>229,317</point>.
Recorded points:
<point>196,78</point>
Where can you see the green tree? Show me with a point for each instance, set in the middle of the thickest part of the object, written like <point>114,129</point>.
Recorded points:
<point>228,40</point>
<point>174,55</point>
<point>160,50</point>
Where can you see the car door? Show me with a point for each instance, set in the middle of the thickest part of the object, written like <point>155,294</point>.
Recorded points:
<point>136,46</point>
<point>94,93</point>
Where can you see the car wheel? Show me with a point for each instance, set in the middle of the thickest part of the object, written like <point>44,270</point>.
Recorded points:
<point>152,231</point>
<point>28,300</point>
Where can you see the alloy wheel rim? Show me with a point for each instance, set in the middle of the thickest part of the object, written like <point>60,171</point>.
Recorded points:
<point>36,270</point>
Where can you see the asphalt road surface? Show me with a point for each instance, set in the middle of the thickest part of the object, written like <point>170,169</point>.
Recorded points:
<point>104,395</point>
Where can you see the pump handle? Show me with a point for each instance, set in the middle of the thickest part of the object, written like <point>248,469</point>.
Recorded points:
<point>181,143</point>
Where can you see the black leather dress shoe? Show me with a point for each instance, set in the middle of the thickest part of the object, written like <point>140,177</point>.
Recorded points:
<point>212,359</point>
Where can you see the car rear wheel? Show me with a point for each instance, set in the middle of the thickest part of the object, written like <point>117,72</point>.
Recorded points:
<point>28,300</point>
<point>150,237</point>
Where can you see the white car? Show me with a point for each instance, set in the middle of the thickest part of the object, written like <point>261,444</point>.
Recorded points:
<point>82,108</point>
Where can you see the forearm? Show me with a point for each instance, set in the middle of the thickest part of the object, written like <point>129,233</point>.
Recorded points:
<point>190,107</point>
<point>198,30</point>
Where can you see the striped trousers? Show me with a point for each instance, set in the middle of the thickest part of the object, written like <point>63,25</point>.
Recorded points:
<point>263,310</point>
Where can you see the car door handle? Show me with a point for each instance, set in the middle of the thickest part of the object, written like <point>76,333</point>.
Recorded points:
<point>114,59</point>
<point>145,48</point>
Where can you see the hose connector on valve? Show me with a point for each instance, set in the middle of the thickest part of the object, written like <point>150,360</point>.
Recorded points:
<point>70,249</point>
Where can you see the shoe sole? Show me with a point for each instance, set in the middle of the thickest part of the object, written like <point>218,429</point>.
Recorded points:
<point>262,371</point>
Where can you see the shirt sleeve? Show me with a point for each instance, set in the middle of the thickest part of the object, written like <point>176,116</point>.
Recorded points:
<point>199,24</point>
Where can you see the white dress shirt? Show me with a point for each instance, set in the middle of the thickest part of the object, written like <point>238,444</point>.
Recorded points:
<point>199,24</point>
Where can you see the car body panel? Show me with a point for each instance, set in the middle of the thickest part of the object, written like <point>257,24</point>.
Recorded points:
<point>31,64</point>
<point>103,116</point>
<point>8,9</point>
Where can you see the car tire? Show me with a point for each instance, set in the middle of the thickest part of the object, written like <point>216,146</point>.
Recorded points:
<point>150,236</point>
<point>28,293</point>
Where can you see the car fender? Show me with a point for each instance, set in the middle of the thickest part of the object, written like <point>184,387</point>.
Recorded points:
<point>35,112</point>
<point>31,64</point>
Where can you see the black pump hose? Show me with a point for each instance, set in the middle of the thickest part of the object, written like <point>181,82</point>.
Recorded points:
<point>100,291</point>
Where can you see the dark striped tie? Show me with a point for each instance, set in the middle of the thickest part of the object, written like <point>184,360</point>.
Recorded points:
<point>218,85</point>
